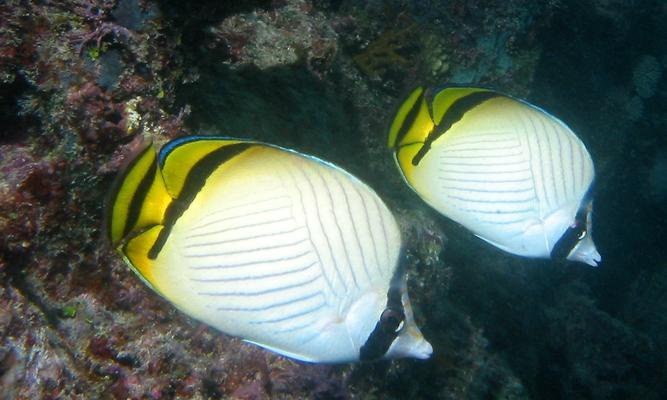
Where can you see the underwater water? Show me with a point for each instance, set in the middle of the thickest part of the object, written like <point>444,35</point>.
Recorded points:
<point>86,85</point>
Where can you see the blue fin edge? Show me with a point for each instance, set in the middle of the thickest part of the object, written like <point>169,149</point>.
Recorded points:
<point>171,145</point>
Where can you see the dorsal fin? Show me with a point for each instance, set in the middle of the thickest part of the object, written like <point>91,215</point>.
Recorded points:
<point>445,99</point>
<point>448,106</point>
<point>179,157</point>
<point>185,165</point>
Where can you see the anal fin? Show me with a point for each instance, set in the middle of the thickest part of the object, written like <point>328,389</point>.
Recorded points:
<point>136,251</point>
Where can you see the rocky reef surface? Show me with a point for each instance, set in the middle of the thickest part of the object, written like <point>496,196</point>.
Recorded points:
<point>84,82</point>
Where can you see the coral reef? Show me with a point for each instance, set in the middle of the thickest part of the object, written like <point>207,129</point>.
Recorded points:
<point>464,42</point>
<point>293,33</point>
<point>384,52</point>
<point>85,83</point>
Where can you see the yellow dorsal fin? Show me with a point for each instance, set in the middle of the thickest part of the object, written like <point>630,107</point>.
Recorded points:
<point>178,158</point>
<point>135,251</point>
<point>444,99</point>
<point>139,198</point>
<point>412,122</point>
<point>447,107</point>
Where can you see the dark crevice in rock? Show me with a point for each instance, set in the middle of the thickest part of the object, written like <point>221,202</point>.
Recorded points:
<point>12,121</point>
<point>17,278</point>
<point>189,21</point>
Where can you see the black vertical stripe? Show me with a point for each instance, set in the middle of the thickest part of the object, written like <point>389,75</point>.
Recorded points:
<point>194,181</point>
<point>409,120</point>
<point>573,234</point>
<point>139,197</point>
<point>381,338</point>
<point>115,191</point>
<point>453,114</point>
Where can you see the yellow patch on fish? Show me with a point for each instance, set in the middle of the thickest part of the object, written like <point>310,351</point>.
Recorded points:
<point>281,249</point>
<point>510,172</point>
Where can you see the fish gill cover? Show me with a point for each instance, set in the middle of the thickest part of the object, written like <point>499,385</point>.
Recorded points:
<point>84,84</point>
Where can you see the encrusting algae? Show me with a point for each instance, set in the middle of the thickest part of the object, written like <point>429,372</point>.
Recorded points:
<point>76,324</point>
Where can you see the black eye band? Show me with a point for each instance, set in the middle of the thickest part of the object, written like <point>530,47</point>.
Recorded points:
<point>386,329</point>
<point>380,340</point>
<point>572,235</point>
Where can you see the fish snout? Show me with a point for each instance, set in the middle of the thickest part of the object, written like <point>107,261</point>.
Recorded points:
<point>422,350</point>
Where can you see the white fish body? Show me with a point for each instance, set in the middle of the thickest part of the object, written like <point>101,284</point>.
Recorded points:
<point>287,252</point>
<point>508,171</point>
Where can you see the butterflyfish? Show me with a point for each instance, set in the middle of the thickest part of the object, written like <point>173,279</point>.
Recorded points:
<point>510,172</point>
<point>281,249</point>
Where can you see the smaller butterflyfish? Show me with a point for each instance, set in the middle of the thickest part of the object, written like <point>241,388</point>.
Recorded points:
<point>508,171</point>
<point>281,249</point>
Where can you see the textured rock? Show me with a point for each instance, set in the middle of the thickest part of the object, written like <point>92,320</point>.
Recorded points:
<point>85,83</point>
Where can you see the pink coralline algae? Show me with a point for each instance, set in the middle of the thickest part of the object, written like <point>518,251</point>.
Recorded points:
<point>85,84</point>
<point>98,117</point>
<point>98,81</point>
<point>292,33</point>
<point>29,194</point>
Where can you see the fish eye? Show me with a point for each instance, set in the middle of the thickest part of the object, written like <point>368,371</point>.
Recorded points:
<point>582,235</point>
<point>392,320</point>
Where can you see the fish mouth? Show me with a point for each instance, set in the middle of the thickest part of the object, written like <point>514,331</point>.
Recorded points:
<point>414,344</point>
<point>597,257</point>
<point>592,258</point>
<point>423,351</point>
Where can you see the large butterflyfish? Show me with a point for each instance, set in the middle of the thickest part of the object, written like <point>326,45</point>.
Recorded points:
<point>513,174</point>
<point>281,249</point>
